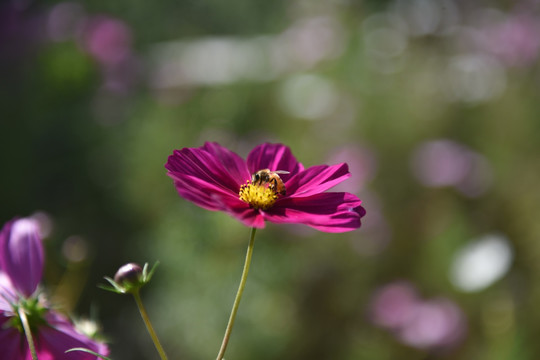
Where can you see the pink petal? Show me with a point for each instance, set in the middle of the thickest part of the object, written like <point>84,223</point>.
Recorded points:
<point>317,179</point>
<point>234,164</point>
<point>61,335</point>
<point>218,166</point>
<point>273,157</point>
<point>213,198</point>
<point>206,195</point>
<point>21,254</point>
<point>8,293</point>
<point>328,212</point>
<point>10,340</point>
<point>209,176</point>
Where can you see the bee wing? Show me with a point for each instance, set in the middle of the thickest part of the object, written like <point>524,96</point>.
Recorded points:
<point>282,172</point>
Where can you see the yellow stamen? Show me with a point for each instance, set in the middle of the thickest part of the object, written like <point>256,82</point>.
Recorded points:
<point>257,196</point>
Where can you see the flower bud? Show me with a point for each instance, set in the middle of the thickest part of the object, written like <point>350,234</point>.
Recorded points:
<point>129,276</point>
<point>21,254</point>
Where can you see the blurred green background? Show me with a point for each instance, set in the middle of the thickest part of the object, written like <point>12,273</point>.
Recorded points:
<point>433,103</point>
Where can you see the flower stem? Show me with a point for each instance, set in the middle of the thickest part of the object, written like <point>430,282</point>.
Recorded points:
<point>28,333</point>
<point>238,296</point>
<point>149,326</point>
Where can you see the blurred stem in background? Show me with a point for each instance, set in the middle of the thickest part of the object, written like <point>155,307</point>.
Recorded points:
<point>149,327</point>
<point>236,304</point>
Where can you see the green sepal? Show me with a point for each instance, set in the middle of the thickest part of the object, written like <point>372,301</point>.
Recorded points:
<point>116,288</point>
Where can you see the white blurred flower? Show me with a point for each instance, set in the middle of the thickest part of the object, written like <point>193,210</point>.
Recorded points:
<point>481,263</point>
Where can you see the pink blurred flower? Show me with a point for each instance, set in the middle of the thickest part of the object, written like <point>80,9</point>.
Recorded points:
<point>392,305</point>
<point>514,40</point>
<point>21,267</point>
<point>424,324</point>
<point>216,178</point>
<point>442,162</point>
<point>433,323</point>
<point>362,163</point>
<point>108,40</point>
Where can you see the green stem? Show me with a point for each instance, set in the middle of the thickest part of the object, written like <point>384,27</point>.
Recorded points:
<point>28,333</point>
<point>149,326</point>
<point>238,296</point>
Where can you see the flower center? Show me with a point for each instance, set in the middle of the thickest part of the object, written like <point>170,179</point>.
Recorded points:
<point>34,310</point>
<point>258,196</point>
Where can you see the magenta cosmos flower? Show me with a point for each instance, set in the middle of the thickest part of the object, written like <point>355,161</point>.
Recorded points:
<point>216,178</point>
<point>21,268</point>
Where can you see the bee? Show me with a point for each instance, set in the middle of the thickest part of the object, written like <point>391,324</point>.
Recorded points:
<point>271,178</point>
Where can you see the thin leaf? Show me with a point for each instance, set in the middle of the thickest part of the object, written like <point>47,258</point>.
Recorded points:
<point>88,351</point>
<point>115,287</point>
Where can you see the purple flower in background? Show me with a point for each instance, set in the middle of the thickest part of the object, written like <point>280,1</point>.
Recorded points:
<point>362,163</point>
<point>443,162</point>
<point>108,40</point>
<point>391,307</point>
<point>271,185</point>
<point>424,324</point>
<point>434,323</point>
<point>21,267</point>
<point>515,40</point>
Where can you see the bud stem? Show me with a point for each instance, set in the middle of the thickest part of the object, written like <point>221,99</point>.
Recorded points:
<point>149,326</point>
<point>238,296</point>
<point>28,333</point>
